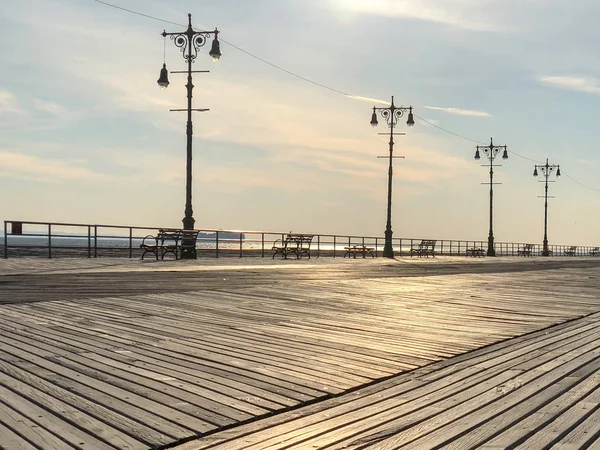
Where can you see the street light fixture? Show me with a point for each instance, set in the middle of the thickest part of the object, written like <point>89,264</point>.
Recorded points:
<point>189,42</point>
<point>391,114</point>
<point>491,151</point>
<point>546,170</point>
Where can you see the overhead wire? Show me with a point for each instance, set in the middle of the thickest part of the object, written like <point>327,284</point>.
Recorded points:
<point>329,88</point>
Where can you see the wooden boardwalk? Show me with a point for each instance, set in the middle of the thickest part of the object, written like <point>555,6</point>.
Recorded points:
<point>113,354</point>
<point>538,391</point>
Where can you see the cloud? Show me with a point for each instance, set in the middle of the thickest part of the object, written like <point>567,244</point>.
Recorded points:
<point>9,104</point>
<point>49,107</point>
<point>21,166</point>
<point>460,112</point>
<point>368,99</point>
<point>463,14</point>
<point>579,84</point>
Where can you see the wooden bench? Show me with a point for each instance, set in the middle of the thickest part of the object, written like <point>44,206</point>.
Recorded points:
<point>359,250</point>
<point>594,252</point>
<point>169,240</point>
<point>295,244</point>
<point>526,250</point>
<point>423,248</point>
<point>571,251</point>
<point>475,252</point>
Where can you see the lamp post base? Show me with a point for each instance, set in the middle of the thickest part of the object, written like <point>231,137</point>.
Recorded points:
<point>188,223</point>
<point>189,247</point>
<point>545,251</point>
<point>388,251</point>
<point>490,249</point>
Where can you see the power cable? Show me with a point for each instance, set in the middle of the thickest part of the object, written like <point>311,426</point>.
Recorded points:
<point>329,88</point>
<point>448,131</point>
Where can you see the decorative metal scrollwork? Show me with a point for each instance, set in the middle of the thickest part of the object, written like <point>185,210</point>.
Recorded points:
<point>199,41</point>
<point>491,152</point>
<point>182,41</point>
<point>391,115</point>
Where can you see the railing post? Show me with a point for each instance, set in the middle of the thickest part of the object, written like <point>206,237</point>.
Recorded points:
<point>240,245</point>
<point>334,246</point>
<point>217,244</point>
<point>130,242</point>
<point>400,252</point>
<point>89,241</point>
<point>376,250</point>
<point>318,245</point>
<point>95,241</point>
<point>263,245</point>
<point>6,240</point>
<point>50,240</point>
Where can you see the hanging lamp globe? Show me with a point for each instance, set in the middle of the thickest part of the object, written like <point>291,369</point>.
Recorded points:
<point>215,50</point>
<point>374,118</point>
<point>411,121</point>
<point>163,79</point>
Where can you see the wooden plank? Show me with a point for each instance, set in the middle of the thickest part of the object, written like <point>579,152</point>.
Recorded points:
<point>31,434</point>
<point>147,364</point>
<point>541,427</point>
<point>10,440</point>
<point>106,424</point>
<point>111,397</point>
<point>585,433</point>
<point>443,433</point>
<point>54,421</point>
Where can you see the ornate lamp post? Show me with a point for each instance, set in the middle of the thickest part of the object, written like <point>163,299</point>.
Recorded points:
<point>546,170</point>
<point>189,42</point>
<point>391,114</point>
<point>491,151</point>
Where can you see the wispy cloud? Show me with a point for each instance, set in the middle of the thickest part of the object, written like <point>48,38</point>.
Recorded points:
<point>368,99</point>
<point>9,103</point>
<point>580,84</point>
<point>463,14</point>
<point>460,112</point>
<point>49,107</point>
<point>21,166</point>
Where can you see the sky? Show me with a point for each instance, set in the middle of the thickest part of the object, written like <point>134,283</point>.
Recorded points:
<point>87,135</point>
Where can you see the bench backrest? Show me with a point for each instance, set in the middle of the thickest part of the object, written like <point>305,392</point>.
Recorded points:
<point>300,240</point>
<point>527,246</point>
<point>573,248</point>
<point>167,236</point>
<point>427,244</point>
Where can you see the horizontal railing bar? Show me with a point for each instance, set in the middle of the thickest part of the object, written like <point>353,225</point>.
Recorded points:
<point>251,238</point>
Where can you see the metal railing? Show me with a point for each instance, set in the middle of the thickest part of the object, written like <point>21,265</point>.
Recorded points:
<point>51,239</point>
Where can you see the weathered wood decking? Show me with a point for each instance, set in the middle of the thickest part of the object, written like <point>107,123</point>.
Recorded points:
<point>87,362</point>
<point>530,392</point>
